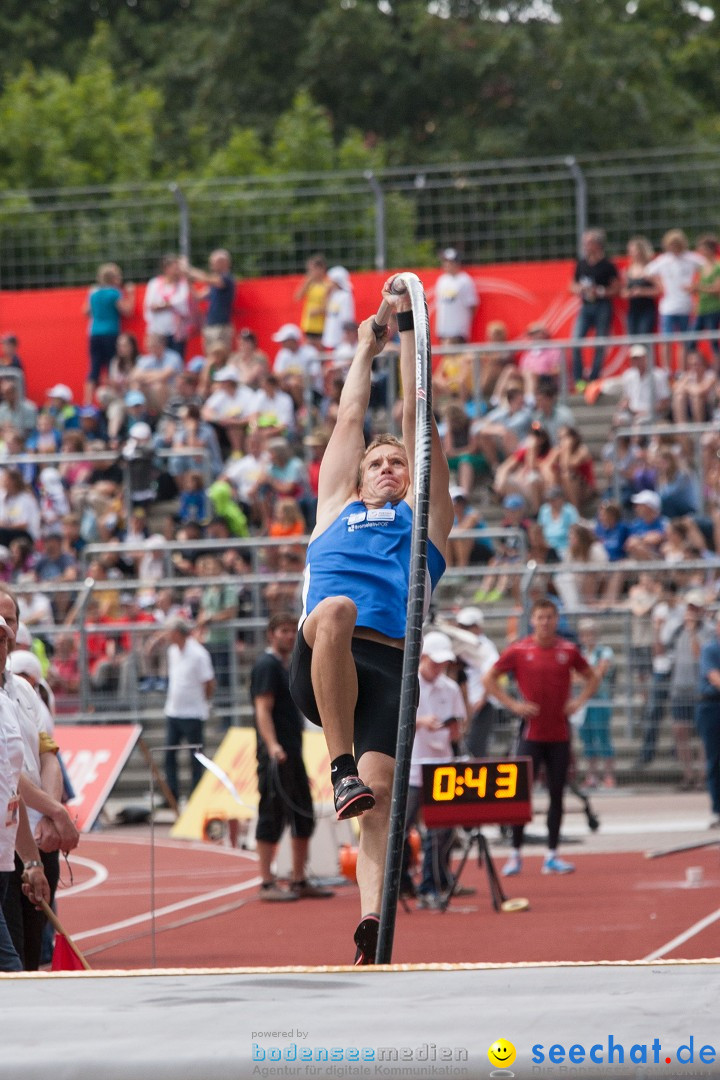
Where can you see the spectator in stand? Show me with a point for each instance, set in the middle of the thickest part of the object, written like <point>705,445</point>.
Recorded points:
<point>247,473</point>
<point>45,439</point>
<point>108,301</point>
<point>645,390</point>
<point>15,409</point>
<point>9,352</point>
<point>694,391</point>
<point>463,551</point>
<point>186,394</point>
<point>340,307</point>
<point>19,509</point>
<point>707,290</point>
<point>57,566</point>
<point>575,588</point>
<point>60,406</point>
<point>595,728</point>
<point>194,504</point>
<point>228,409</point>
<point>452,381</point>
<point>111,396</point>
<point>499,369</point>
<point>53,498</point>
<point>676,485</point>
<point>286,475</point>
<point>499,433</point>
<point>571,465</point>
<point>316,442</point>
<point>508,552</point>
<point>524,471</point>
<point>297,364</point>
<point>537,361</point>
<point>219,290</point>
<point>218,606</point>
<point>167,307</point>
<point>92,424</point>
<point>639,289</point>
<point>459,446</point>
<point>555,517</point>
<point>284,596</point>
<point>155,371</point>
<point>551,414</point>
<point>456,301</point>
<point>250,361</point>
<point>223,505</point>
<point>273,408</point>
<point>595,282</point>
<point>314,291</point>
<point>674,273</point>
<point>647,530</point>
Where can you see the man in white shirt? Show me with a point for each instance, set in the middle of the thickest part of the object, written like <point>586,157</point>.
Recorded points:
<point>645,390</point>
<point>15,832</point>
<point>478,653</point>
<point>191,684</point>
<point>456,300</point>
<point>441,716</point>
<point>229,407</point>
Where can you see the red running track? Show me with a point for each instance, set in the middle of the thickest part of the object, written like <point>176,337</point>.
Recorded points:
<point>207,914</point>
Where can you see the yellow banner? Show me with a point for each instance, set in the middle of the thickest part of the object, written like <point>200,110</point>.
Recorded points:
<point>236,757</point>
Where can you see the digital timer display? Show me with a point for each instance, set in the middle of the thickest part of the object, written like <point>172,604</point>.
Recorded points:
<point>476,792</point>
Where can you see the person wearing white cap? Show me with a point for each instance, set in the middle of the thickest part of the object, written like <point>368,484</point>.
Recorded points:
<point>456,300</point>
<point>229,407</point>
<point>346,670</point>
<point>478,653</point>
<point>441,719</point>
<point>647,529</point>
<point>644,389</point>
<point>340,307</point>
<point>296,363</point>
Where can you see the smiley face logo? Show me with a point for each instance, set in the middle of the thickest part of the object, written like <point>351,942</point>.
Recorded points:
<point>501,1053</point>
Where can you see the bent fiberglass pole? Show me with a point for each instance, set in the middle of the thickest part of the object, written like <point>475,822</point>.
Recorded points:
<point>415,616</point>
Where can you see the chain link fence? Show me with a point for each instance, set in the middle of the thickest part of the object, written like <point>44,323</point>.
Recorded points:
<point>497,211</point>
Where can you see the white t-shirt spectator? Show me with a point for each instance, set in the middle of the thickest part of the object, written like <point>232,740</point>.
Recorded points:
<point>303,361</point>
<point>676,273</point>
<point>170,321</point>
<point>223,406</point>
<point>20,511</point>
<point>189,669</point>
<point>455,302</point>
<point>11,764</point>
<point>637,389</point>
<point>280,406</point>
<point>443,699</point>
<point>340,309</point>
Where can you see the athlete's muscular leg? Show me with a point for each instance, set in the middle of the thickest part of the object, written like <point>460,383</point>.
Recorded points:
<point>377,772</point>
<point>328,631</point>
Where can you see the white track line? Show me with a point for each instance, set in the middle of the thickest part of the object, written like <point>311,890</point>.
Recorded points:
<point>697,928</point>
<point>100,874</point>
<point>169,909</point>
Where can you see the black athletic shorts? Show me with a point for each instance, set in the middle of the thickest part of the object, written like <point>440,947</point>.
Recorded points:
<point>379,673</point>
<point>284,800</point>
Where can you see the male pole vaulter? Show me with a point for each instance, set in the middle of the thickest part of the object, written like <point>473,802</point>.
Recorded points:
<point>346,668</point>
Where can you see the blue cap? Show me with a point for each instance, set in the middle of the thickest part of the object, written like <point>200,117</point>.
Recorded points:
<point>134,397</point>
<point>513,502</point>
<point>196,364</point>
<point>90,410</point>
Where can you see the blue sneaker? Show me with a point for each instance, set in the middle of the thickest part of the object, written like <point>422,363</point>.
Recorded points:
<point>513,866</point>
<point>554,865</point>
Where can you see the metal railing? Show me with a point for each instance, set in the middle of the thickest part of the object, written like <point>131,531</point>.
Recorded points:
<point>495,211</point>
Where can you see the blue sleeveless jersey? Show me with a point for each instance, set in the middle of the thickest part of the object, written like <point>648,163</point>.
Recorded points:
<point>365,555</point>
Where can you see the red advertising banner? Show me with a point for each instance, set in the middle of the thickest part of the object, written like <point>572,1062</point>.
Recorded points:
<point>94,756</point>
<point>53,331</point>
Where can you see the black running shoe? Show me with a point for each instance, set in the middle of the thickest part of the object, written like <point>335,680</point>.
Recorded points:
<point>366,938</point>
<point>352,797</point>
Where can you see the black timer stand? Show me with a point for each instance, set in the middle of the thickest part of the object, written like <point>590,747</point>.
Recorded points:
<point>470,837</point>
